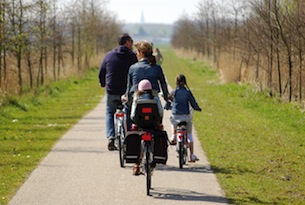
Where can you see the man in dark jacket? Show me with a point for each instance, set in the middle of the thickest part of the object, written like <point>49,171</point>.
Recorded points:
<point>113,75</point>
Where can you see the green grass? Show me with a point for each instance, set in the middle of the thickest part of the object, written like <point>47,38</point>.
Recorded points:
<point>255,144</point>
<point>31,124</point>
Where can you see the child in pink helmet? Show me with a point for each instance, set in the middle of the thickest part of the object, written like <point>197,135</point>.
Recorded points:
<point>145,92</point>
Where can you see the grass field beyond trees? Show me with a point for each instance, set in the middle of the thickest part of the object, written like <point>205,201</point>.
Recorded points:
<point>255,144</point>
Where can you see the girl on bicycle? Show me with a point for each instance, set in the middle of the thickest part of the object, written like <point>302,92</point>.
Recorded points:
<point>182,99</point>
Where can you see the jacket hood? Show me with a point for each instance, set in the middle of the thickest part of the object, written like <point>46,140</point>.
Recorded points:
<point>123,52</point>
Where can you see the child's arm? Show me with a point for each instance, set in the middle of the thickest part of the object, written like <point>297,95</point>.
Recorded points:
<point>168,104</point>
<point>193,103</point>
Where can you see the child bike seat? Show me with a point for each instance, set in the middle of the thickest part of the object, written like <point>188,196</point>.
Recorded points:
<point>147,114</point>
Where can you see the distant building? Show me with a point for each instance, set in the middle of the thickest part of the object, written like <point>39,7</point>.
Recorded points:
<point>142,19</point>
<point>155,33</point>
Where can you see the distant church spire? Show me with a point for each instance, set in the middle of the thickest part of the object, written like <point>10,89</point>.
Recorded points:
<point>142,17</point>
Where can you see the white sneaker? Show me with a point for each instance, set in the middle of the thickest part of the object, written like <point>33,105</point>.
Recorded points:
<point>194,158</point>
<point>173,140</point>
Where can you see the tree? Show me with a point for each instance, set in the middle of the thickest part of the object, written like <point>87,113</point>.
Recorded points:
<point>17,34</point>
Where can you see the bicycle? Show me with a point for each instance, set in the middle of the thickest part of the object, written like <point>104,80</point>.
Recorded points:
<point>153,139</point>
<point>182,143</point>
<point>120,132</point>
<point>147,157</point>
<point>181,138</point>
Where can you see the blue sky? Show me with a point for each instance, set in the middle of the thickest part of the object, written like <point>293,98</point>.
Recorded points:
<point>155,11</point>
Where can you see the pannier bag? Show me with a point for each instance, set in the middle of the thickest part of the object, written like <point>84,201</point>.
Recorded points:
<point>133,147</point>
<point>160,147</point>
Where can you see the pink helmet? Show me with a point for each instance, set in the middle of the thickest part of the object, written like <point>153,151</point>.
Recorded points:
<point>144,85</point>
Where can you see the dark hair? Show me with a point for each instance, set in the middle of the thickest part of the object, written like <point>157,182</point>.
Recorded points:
<point>180,79</point>
<point>123,38</point>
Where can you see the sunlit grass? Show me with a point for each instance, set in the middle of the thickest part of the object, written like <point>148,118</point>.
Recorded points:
<point>31,124</point>
<point>255,144</point>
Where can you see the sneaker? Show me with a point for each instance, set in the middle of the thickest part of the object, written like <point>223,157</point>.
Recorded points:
<point>194,158</point>
<point>160,127</point>
<point>173,141</point>
<point>136,170</point>
<point>134,127</point>
<point>111,146</point>
<point>153,164</point>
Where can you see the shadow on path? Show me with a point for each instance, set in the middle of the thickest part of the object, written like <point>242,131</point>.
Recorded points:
<point>185,195</point>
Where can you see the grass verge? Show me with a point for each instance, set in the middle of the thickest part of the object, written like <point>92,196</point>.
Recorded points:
<point>254,144</point>
<point>31,124</point>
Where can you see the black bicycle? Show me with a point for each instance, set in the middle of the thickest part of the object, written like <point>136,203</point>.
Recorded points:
<point>147,157</point>
<point>153,139</point>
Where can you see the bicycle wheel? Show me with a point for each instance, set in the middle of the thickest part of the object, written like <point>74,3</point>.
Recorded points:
<point>148,171</point>
<point>181,154</point>
<point>184,154</point>
<point>122,146</point>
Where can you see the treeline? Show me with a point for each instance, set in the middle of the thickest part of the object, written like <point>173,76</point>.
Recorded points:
<point>263,39</point>
<point>43,40</point>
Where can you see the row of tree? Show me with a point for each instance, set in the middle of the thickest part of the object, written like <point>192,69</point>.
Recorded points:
<point>265,37</point>
<point>41,39</point>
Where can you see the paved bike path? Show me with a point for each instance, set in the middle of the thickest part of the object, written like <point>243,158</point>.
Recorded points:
<point>80,170</point>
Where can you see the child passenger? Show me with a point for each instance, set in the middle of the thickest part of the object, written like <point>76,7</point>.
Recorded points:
<point>182,99</point>
<point>144,92</point>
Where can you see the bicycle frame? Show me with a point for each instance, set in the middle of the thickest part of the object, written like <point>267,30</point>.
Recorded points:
<point>147,120</point>
<point>182,143</point>
<point>120,133</point>
<point>147,150</point>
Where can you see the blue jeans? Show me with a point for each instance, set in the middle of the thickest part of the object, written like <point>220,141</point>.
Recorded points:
<point>111,105</point>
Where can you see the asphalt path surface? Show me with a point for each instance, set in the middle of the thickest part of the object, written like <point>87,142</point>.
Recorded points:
<point>80,170</point>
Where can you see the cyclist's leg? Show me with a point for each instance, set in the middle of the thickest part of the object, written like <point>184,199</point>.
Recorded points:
<point>174,129</point>
<point>111,105</point>
<point>193,157</point>
<point>136,167</point>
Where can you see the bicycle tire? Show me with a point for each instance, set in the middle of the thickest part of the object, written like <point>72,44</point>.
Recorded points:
<point>181,154</point>
<point>121,147</point>
<point>148,171</point>
<point>184,154</point>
